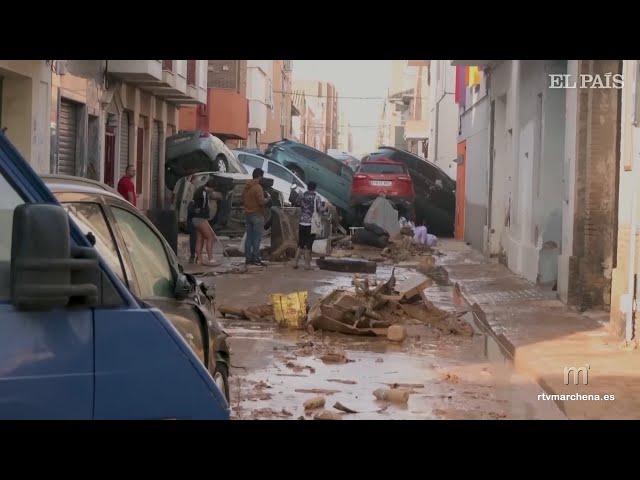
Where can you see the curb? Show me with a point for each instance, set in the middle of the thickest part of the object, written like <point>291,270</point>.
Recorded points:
<point>506,346</point>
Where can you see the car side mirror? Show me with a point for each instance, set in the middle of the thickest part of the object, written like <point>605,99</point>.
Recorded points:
<point>46,271</point>
<point>183,287</point>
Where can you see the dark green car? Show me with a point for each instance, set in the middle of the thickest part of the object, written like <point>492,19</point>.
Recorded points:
<point>332,177</point>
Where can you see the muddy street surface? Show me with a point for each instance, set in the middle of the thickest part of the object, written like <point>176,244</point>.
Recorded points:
<point>276,370</point>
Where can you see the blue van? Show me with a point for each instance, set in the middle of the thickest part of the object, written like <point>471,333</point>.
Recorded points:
<point>74,342</point>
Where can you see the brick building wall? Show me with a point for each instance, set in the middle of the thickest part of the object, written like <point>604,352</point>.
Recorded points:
<point>228,74</point>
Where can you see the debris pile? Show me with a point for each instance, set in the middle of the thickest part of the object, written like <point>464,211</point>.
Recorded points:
<point>373,309</point>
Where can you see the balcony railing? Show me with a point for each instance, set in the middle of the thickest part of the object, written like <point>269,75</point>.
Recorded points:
<point>191,72</point>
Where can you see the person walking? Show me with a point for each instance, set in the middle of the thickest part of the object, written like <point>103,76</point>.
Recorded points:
<point>255,200</point>
<point>205,236</point>
<point>126,186</point>
<point>311,208</point>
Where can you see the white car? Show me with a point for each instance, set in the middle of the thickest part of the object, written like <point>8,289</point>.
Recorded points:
<point>282,177</point>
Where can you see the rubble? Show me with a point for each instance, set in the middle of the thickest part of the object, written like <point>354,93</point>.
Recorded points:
<point>396,333</point>
<point>393,395</point>
<point>342,408</point>
<point>327,415</point>
<point>318,391</point>
<point>314,403</point>
<point>376,307</point>
<point>256,313</point>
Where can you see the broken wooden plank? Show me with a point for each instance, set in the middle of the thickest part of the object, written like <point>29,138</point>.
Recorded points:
<point>341,407</point>
<point>415,293</point>
<point>318,391</point>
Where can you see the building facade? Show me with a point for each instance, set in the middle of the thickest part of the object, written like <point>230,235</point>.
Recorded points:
<point>25,92</point>
<point>538,172</point>
<point>279,116</point>
<point>321,125</point>
<point>260,97</point>
<point>92,118</point>
<point>443,115</point>
<point>226,113</point>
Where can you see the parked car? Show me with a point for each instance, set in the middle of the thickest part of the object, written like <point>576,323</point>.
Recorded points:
<point>382,176</point>
<point>332,177</point>
<point>435,191</point>
<point>75,342</point>
<point>231,186</point>
<point>138,253</point>
<point>283,178</point>
<point>197,151</point>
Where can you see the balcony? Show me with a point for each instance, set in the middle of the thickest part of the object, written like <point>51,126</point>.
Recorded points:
<point>166,79</point>
<point>136,71</point>
<point>228,113</point>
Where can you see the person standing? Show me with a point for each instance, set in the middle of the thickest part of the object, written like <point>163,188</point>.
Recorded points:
<point>213,197</point>
<point>309,203</point>
<point>255,200</point>
<point>205,236</point>
<point>126,186</point>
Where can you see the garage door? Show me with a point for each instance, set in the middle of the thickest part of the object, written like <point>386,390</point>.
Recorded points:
<point>155,165</point>
<point>67,138</point>
<point>124,143</point>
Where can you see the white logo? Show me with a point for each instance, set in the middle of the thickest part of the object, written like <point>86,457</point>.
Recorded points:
<point>565,80</point>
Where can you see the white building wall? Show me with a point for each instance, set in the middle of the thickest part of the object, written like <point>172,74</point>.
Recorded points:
<point>259,92</point>
<point>569,190</point>
<point>443,114</point>
<point>26,98</point>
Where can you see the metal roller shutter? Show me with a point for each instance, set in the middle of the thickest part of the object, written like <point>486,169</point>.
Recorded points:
<point>124,143</point>
<point>155,164</point>
<point>67,136</point>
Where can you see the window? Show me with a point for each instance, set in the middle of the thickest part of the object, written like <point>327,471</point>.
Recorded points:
<point>89,218</point>
<point>382,168</point>
<point>280,172</point>
<point>251,161</point>
<point>346,172</point>
<point>331,164</point>
<point>191,72</point>
<point>9,200</point>
<point>147,254</point>
<point>311,155</point>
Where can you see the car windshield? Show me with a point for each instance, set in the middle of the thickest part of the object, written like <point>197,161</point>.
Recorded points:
<point>382,168</point>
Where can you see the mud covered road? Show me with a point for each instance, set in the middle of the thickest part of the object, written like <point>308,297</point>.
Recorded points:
<point>275,371</point>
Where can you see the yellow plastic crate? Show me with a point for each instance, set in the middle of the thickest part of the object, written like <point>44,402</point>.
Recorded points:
<point>290,309</point>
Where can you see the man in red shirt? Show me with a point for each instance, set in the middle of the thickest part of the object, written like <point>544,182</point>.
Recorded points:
<point>126,187</point>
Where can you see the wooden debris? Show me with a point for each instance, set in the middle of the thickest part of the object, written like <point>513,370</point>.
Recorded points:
<point>318,391</point>
<point>341,407</point>
<point>327,415</point>
<point>394,395</point>
<point>314,403</point>
<point>346,382</point>
<point>256,313</point>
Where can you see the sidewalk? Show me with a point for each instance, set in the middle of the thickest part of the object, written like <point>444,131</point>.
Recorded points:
<point>543,336</point>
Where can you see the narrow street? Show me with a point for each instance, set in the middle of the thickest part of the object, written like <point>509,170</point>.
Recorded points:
<point>275,370</point>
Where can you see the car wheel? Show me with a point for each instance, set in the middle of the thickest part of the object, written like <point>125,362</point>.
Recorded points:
<point>221,164</point>
<point>221,379</point>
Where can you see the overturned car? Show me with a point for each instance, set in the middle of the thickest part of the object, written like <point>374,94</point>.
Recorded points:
<point>435,192</point>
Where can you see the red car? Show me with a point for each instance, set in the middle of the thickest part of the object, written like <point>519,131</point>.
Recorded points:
<point>383,176</point>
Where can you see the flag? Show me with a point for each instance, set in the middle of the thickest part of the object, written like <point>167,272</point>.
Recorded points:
<point>474,76</point>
